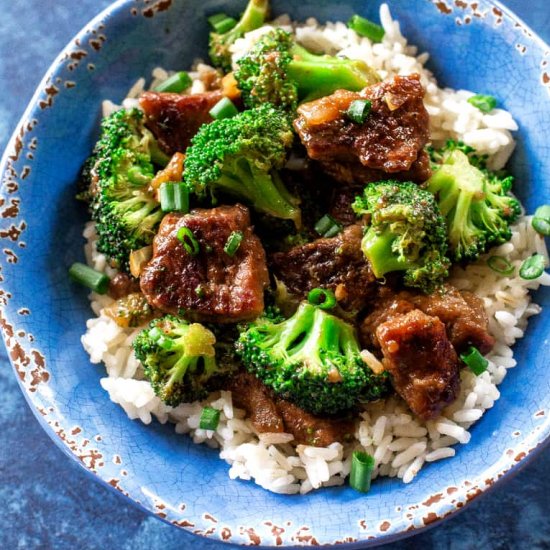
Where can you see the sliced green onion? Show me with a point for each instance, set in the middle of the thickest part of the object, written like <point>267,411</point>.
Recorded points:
<point>500,265</point>
<point>359,110</point>
<point>86,276</point>
<point>199,291</point>
<point>210,418</point>
<point>233,243</point>
<point>532,267</point>
<point>541,220</point>
<point>174,197</point>
<point>187,238</point>
<point>475,361</point>
<point>485,103</point>
<point>364,27</point>
<point>362,465</point>
<point>327,226</point>
<point>176,83</point>
<point>225,108</point>
<point>322,298</point>
<point>221,22</point>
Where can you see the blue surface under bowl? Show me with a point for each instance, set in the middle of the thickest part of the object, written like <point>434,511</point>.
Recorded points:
<point>474,45</point>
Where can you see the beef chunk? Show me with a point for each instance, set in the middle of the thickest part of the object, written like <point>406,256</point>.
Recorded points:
<point>421,361</point>
<point>270,414</point>
<point>342,199</point>
<point>210,286</point>
<point>174,118</point>
<point>390,141</point>
<point>257,400</point>
<point>337,263</point>
<point>462,313</point>
<point>121,285</point>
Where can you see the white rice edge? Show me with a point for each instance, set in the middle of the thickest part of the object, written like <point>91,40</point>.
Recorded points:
<point>399,442</point>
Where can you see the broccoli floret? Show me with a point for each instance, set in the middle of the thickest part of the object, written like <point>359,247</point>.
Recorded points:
<point>252,18</point>
<point>178,359</point>
<point>119,172</point>
<point>279,71</point>
<point>405,232</point>
<point>240,156</point>
<point>312,359</point>
<point>131,310</point>
<point>474,200</point>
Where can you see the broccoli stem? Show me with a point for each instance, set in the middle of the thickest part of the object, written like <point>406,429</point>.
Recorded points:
<point>265,191</point>
<point>320,75</point>
<point>377,247</point>
<point>252,18</point>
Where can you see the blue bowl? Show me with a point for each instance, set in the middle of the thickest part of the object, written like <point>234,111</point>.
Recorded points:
<point>43,316</point>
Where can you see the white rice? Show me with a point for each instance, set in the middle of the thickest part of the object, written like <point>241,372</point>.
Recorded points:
<point>399,442</point>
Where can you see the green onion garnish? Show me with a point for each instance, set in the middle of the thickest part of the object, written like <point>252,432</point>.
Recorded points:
<point>233,242</point>
<point>210,418</point>
<point>221,23</point>
<point>475,361</point>
<point>362,465</point>
<point>364,27</point>
<point>359,110</point>
<point>485,103</point>
<point>327,226</point>
<point>225,108</point>
<point>165,343</point>
<point>322,298</point>
<point>86,276</point>
<point>500,265</point>
<point>541,220</point>
<point>174,197</point>
<point>176,83</point>
<point>532,267</point>
<point>155,333</point>
<point>187,238</point>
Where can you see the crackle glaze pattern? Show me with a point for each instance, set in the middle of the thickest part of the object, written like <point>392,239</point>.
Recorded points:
<point>43,315</point>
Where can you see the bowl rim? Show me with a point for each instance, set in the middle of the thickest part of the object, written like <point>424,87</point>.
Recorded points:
<point>112,11</point>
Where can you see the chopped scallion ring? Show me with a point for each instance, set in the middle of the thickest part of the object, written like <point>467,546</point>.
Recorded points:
<point>233,243</point>
<point>362,465</point>
<point>366,28</point>
<point>327,226</point>
<point>475,361</point>
<point>485,103</point>
<point>187,238</point>
<point>322,298</point>
<point>222,23</point>
<point>174,197</point>
<point>176,83</point>
<point>225,108</point>
<point>500,265</point>
<point>541,220</point>
<point>88,277</point>
<point>532,267</point>
<point>210,418</point>
<point>359,110</point>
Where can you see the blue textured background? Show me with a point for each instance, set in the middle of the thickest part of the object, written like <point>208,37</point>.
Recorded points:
<point>48,502</point>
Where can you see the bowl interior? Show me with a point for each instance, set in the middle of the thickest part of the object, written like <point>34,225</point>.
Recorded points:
<point>45,315</point>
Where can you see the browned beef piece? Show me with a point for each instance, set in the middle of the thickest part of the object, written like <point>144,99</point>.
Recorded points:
<point>390,140</point>
<point>257,400</point>
<point>340,205</point>
<point>336,263</point>
<point>462,313</point>
<point>121,285</point>
<point>174,118</point>
<point>421,361</point>
<point>314,430</point>
<point>271,414</point>
<point>354,172</point>
<point>211,285</point>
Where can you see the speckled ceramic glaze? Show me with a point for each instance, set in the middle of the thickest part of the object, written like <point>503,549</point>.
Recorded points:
<point>475,45</point>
